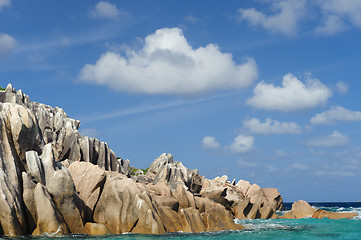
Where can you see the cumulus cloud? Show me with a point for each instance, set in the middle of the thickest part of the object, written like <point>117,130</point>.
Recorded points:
<point>336,139</point>
<point>242,144</point>
<point>270,126</point>
<point>210,142</point>
<point>105,10</point>
<point>4,3</point>
<point>167,64</point>
<point>338,15</point>
<point>332,24</point>
<point>292,95</point>
<point>334,115</point>
<point>7,44</point>
<point>285,20</point>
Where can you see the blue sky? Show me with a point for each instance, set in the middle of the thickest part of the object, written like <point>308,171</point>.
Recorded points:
<point>266,91</point>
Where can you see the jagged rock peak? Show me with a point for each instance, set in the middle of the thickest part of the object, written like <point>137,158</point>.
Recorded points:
<point>165,169</point>
<point>52,125</point>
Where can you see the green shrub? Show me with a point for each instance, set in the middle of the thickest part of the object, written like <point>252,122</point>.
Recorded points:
<point>2,89</point>
<point>133,170</point>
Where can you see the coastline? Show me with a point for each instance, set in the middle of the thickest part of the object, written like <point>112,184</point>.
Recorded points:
<point>58,182</point>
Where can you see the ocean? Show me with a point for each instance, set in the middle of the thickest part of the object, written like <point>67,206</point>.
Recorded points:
<point>266,229</point>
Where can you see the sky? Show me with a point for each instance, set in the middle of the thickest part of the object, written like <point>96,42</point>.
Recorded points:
<point>265,91</point>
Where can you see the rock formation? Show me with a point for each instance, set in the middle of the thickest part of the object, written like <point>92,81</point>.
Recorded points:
<point>55,181</point>
<point>302,209</point>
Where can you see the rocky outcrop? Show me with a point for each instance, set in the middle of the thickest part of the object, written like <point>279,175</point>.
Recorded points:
<point>333,215</point>
<point>164,169</point>
<point>244,200</point>
<point>34,125</point>
<point>89,181</point>
<point>55,181</point>
<point>302,209</point>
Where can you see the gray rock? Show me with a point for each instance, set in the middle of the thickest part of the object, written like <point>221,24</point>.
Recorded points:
<point>164,169</point>
<point>59,184</point>
<point>49,218</point>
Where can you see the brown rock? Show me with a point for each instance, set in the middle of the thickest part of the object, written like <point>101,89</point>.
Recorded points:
<point>243,186</point>
<point>165,169</point>
<point>272,197</point>
<point>29,201</point>
<point>49,218</point>
<point>242,209</point>
<point>194,219</point>
<point>300,209</point>
<point>125,206</point>
<point>173,221</point>
<point>96,229</point>
<point>217,195</point>
<point>184,197</point>
<point>217,218</point>
<point>266,212</point>
<point>333,215</point>
<point>59,184</point>
<point>255,194</point>
<point>88,180</point>
<point>11,217</point>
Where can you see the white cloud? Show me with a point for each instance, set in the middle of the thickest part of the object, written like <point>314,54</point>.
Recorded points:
<point>287,14</point>
<point>242,144</point>
<point>332,24</point>
<point>334,115</point>
<point>210,142</point>
<point>271,127</point>
<point>4,3</point>
<point>7,44</point>
<point>167,64</point>
<point>342,87</point>
<point>338,15</point>
<point>105,10</point>
<point>336,139</point>
<point>293,95</point>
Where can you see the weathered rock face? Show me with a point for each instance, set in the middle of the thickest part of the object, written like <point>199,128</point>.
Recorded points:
<point>56,179</point>
<point>271,197</point>
<point>49,218</point>
<point>53,180</point>
<point>89,181</point>
<point>125,206</point>
<point>333,215</point>
<point>164,169</point>
<point>34,124</point>
<point>27,130</point>
<point>301,209</point>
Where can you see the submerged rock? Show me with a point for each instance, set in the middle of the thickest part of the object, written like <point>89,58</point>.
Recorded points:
<point>333,215</point>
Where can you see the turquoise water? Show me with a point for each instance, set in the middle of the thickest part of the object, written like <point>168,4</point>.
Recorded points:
<point>268,229</point>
